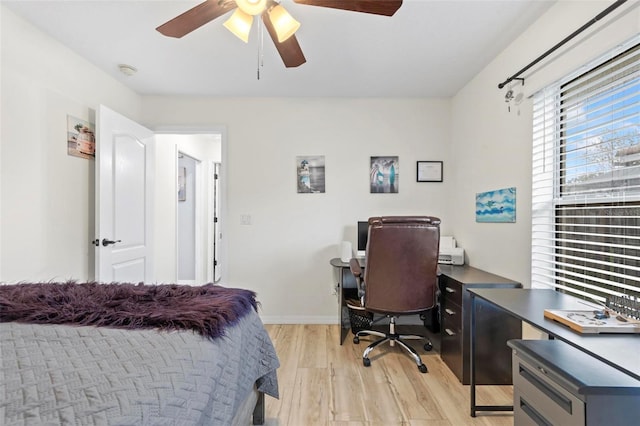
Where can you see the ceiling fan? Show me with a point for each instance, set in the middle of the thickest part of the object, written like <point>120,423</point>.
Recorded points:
<point>278,22</point>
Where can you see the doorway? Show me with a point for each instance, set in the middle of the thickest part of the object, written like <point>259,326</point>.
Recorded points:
<point>191,206</point>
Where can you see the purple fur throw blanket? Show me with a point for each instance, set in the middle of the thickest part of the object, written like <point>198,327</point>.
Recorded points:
<point>206,310</point>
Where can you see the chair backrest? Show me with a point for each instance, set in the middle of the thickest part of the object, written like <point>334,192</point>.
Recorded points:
<point>401,269</point>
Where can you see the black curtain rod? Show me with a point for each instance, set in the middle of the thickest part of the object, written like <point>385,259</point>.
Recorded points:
<point>601,15</point>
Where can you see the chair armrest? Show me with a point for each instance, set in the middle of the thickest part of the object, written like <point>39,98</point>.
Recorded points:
<point>355,267</point>
<point>356,270</point>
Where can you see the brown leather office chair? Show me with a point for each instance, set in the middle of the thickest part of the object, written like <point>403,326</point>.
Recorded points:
<point>400,275</point>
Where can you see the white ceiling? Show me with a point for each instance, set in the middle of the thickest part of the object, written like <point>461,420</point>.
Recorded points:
<point>428,48</point>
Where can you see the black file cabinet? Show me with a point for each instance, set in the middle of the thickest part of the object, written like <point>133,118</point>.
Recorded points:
<point>556,384</point>
<point>493,327</point>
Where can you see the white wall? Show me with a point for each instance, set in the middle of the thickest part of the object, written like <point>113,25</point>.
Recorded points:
<point>284,254</point>
<point>491,148</point>
<point>47,201</point>
<point>46,197</point>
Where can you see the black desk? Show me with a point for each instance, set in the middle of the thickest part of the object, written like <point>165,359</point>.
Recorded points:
<point>621,351</point>
<point>345,287</point>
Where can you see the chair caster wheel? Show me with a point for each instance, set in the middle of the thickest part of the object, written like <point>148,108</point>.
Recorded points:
<point>428,346</point>
<point>356,339</point>
<point>422,368</point>
<point>366,362</point>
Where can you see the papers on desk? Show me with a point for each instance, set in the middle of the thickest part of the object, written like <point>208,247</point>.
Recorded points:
<point>584,321</point>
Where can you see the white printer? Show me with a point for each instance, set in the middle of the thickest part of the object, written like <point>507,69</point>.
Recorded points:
<point>449,253</point>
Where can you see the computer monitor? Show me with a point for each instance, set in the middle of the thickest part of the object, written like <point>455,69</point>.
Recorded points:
<point>363,234</point>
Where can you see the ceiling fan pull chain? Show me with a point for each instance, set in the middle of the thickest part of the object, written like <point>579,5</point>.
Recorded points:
<point>260,47</point>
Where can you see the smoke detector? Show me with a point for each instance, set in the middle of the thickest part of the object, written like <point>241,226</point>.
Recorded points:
<point>127,70</point>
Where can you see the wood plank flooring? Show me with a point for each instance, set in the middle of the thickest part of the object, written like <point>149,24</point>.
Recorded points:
<point>323,383</point>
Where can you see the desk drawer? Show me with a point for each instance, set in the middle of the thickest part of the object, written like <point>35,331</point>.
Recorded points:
<point>452,315</point>
<point>451,346</point>
<point>451,290</point>
<point>538,399</point>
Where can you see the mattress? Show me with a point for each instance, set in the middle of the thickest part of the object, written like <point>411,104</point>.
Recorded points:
<point>86,375</point>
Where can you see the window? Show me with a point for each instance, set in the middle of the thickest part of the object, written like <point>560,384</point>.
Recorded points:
<point>586,181</point>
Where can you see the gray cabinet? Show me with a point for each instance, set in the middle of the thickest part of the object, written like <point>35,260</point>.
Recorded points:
<point>556,384</point>
<point>493,326</point>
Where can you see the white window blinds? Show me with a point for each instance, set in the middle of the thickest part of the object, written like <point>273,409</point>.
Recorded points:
<point>586,181</point>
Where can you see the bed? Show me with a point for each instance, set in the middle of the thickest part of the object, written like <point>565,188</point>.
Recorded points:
<point>124,354</point>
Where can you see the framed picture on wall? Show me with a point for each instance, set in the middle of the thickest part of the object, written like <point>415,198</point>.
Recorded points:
<point>429,171</point>
<point>496,206</point>
<point>310,174</point>
<point>384,175</point>
<point>81,140</point>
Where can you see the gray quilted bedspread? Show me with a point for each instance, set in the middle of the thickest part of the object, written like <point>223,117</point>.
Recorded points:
<point>65,375</point>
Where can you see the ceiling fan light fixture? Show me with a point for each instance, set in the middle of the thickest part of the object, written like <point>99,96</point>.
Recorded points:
<point>240,25</point>
<point>283,23</point>
<point>252,7</point>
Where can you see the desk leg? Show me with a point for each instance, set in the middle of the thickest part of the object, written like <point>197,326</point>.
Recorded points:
<point>344,324</point>
<point>472,366</point>
<point>472,354</point>
<point>344,330</point>
<point>343,334</point>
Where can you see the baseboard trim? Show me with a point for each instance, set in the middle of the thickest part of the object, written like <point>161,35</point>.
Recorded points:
<point>269,319</point>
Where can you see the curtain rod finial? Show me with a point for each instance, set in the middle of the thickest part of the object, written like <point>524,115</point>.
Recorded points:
<point>509,80</point>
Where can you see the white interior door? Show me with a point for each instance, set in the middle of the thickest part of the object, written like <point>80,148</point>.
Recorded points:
<point>124,199</point>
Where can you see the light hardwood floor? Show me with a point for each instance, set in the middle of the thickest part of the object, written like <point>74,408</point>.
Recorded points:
<point>323,383</point>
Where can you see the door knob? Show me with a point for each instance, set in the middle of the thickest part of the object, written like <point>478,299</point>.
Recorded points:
<point>106,242</point>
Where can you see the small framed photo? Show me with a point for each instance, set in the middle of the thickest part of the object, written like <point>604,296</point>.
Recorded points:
<point>429,171</point>
<point>81,140</point>
<point>310,170</point>
<point>384,175</point>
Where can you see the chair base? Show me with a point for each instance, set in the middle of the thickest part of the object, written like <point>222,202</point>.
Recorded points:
<point>392,338</point>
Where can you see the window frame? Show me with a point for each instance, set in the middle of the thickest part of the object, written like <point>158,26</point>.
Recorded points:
<point>550,203</point>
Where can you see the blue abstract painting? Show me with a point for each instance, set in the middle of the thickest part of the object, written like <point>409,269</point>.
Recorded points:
<point>496,206</point>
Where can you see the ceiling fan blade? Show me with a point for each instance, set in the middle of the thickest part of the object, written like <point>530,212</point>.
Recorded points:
<point>377,7</point>
<point>289,50</point>
<point>196,17</point>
